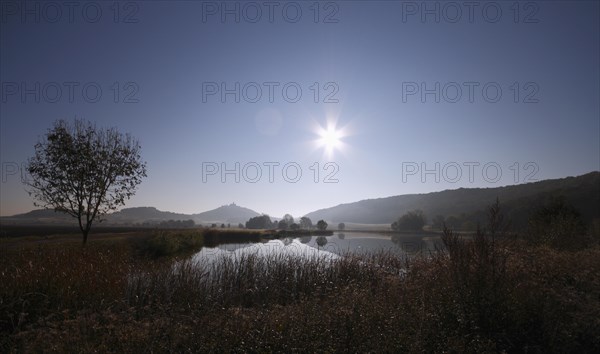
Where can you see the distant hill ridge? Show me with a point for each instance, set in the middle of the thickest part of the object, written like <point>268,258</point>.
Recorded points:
<point>231,213</point>
<point>583,192</point>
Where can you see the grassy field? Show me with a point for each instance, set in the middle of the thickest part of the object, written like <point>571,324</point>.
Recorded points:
<point>123,293</point>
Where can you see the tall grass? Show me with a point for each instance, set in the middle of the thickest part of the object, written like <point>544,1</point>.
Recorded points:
<point>168,243</point>
<point>491,293</point>
<point>255,280</point>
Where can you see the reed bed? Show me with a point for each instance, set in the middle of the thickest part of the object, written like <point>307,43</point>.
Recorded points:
<point>485,295</point>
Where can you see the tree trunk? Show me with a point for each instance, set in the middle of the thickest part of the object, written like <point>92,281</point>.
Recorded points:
<point>85,236</point>
<point>85,230</point>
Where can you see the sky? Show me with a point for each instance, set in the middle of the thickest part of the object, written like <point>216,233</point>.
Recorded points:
<point>289,107</point>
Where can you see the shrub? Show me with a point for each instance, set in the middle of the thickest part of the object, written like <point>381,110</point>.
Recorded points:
<point>411,221</point>
<point>167,243</point>
<point>558,225</point>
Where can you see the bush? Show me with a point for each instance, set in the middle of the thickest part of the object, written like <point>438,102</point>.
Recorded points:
<point>411,221</point>
<point>168,243</point>
<point>558,225</point>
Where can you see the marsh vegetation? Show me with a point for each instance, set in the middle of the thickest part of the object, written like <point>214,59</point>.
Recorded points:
<point>484,293</point>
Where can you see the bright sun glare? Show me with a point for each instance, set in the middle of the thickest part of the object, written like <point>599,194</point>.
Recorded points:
<point>330,137</point>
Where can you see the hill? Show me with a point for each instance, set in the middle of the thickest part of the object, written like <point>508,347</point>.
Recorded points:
<point>517,201</point>
<point>139,215</point>
<point>231,213</point>
<point>40,217</point>
<point>143,215</point>
<point>465,205</point>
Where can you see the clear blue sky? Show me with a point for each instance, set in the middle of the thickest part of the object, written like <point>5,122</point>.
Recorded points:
<point>371,61</point>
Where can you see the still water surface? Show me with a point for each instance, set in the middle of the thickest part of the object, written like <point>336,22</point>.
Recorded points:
<point>333,246</point>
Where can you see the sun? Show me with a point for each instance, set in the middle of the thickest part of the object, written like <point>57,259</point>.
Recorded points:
<point>330,138</point>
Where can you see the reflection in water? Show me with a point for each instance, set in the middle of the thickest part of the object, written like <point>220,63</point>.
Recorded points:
<point>331,246</point>
<point>321,241</point>
<point>305,239</point>
<point>284,247</point>
<point>411,244</point>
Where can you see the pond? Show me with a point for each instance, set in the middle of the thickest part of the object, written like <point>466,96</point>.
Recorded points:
<point>333,246</point>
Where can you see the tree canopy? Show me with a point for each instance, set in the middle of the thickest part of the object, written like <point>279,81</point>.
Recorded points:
<point>84,171</point>
<point>322,225</point>
<point>411,221</point>
<point>306,223</point>
<point>259,222</point>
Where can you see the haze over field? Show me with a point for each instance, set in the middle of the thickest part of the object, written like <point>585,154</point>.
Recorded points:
<point>222,99</point>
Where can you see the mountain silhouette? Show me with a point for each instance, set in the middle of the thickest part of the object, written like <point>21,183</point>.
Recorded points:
<point>517,201</point>
<point>231,213</point>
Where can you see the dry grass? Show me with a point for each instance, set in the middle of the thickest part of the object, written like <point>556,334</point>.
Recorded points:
<point>488,295</point>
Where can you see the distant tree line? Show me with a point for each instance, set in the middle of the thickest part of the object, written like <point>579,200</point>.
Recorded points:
<point>287,223</point>
<point>555,223</point>
<point>259,222</point>
<point>177,224</point>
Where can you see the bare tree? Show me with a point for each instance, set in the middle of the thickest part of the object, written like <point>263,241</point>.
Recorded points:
<point>84,171</point>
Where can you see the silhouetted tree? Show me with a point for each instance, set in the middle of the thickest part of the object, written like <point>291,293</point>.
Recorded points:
<point>321,225</point>
<point>341,226</point>
<point>283,225</point>
<point>288,219</point>
<point>259,222</point>
<point>306,223</point>
<point>84,171</point>
<point>411,221</point>
<point>294,226</point>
